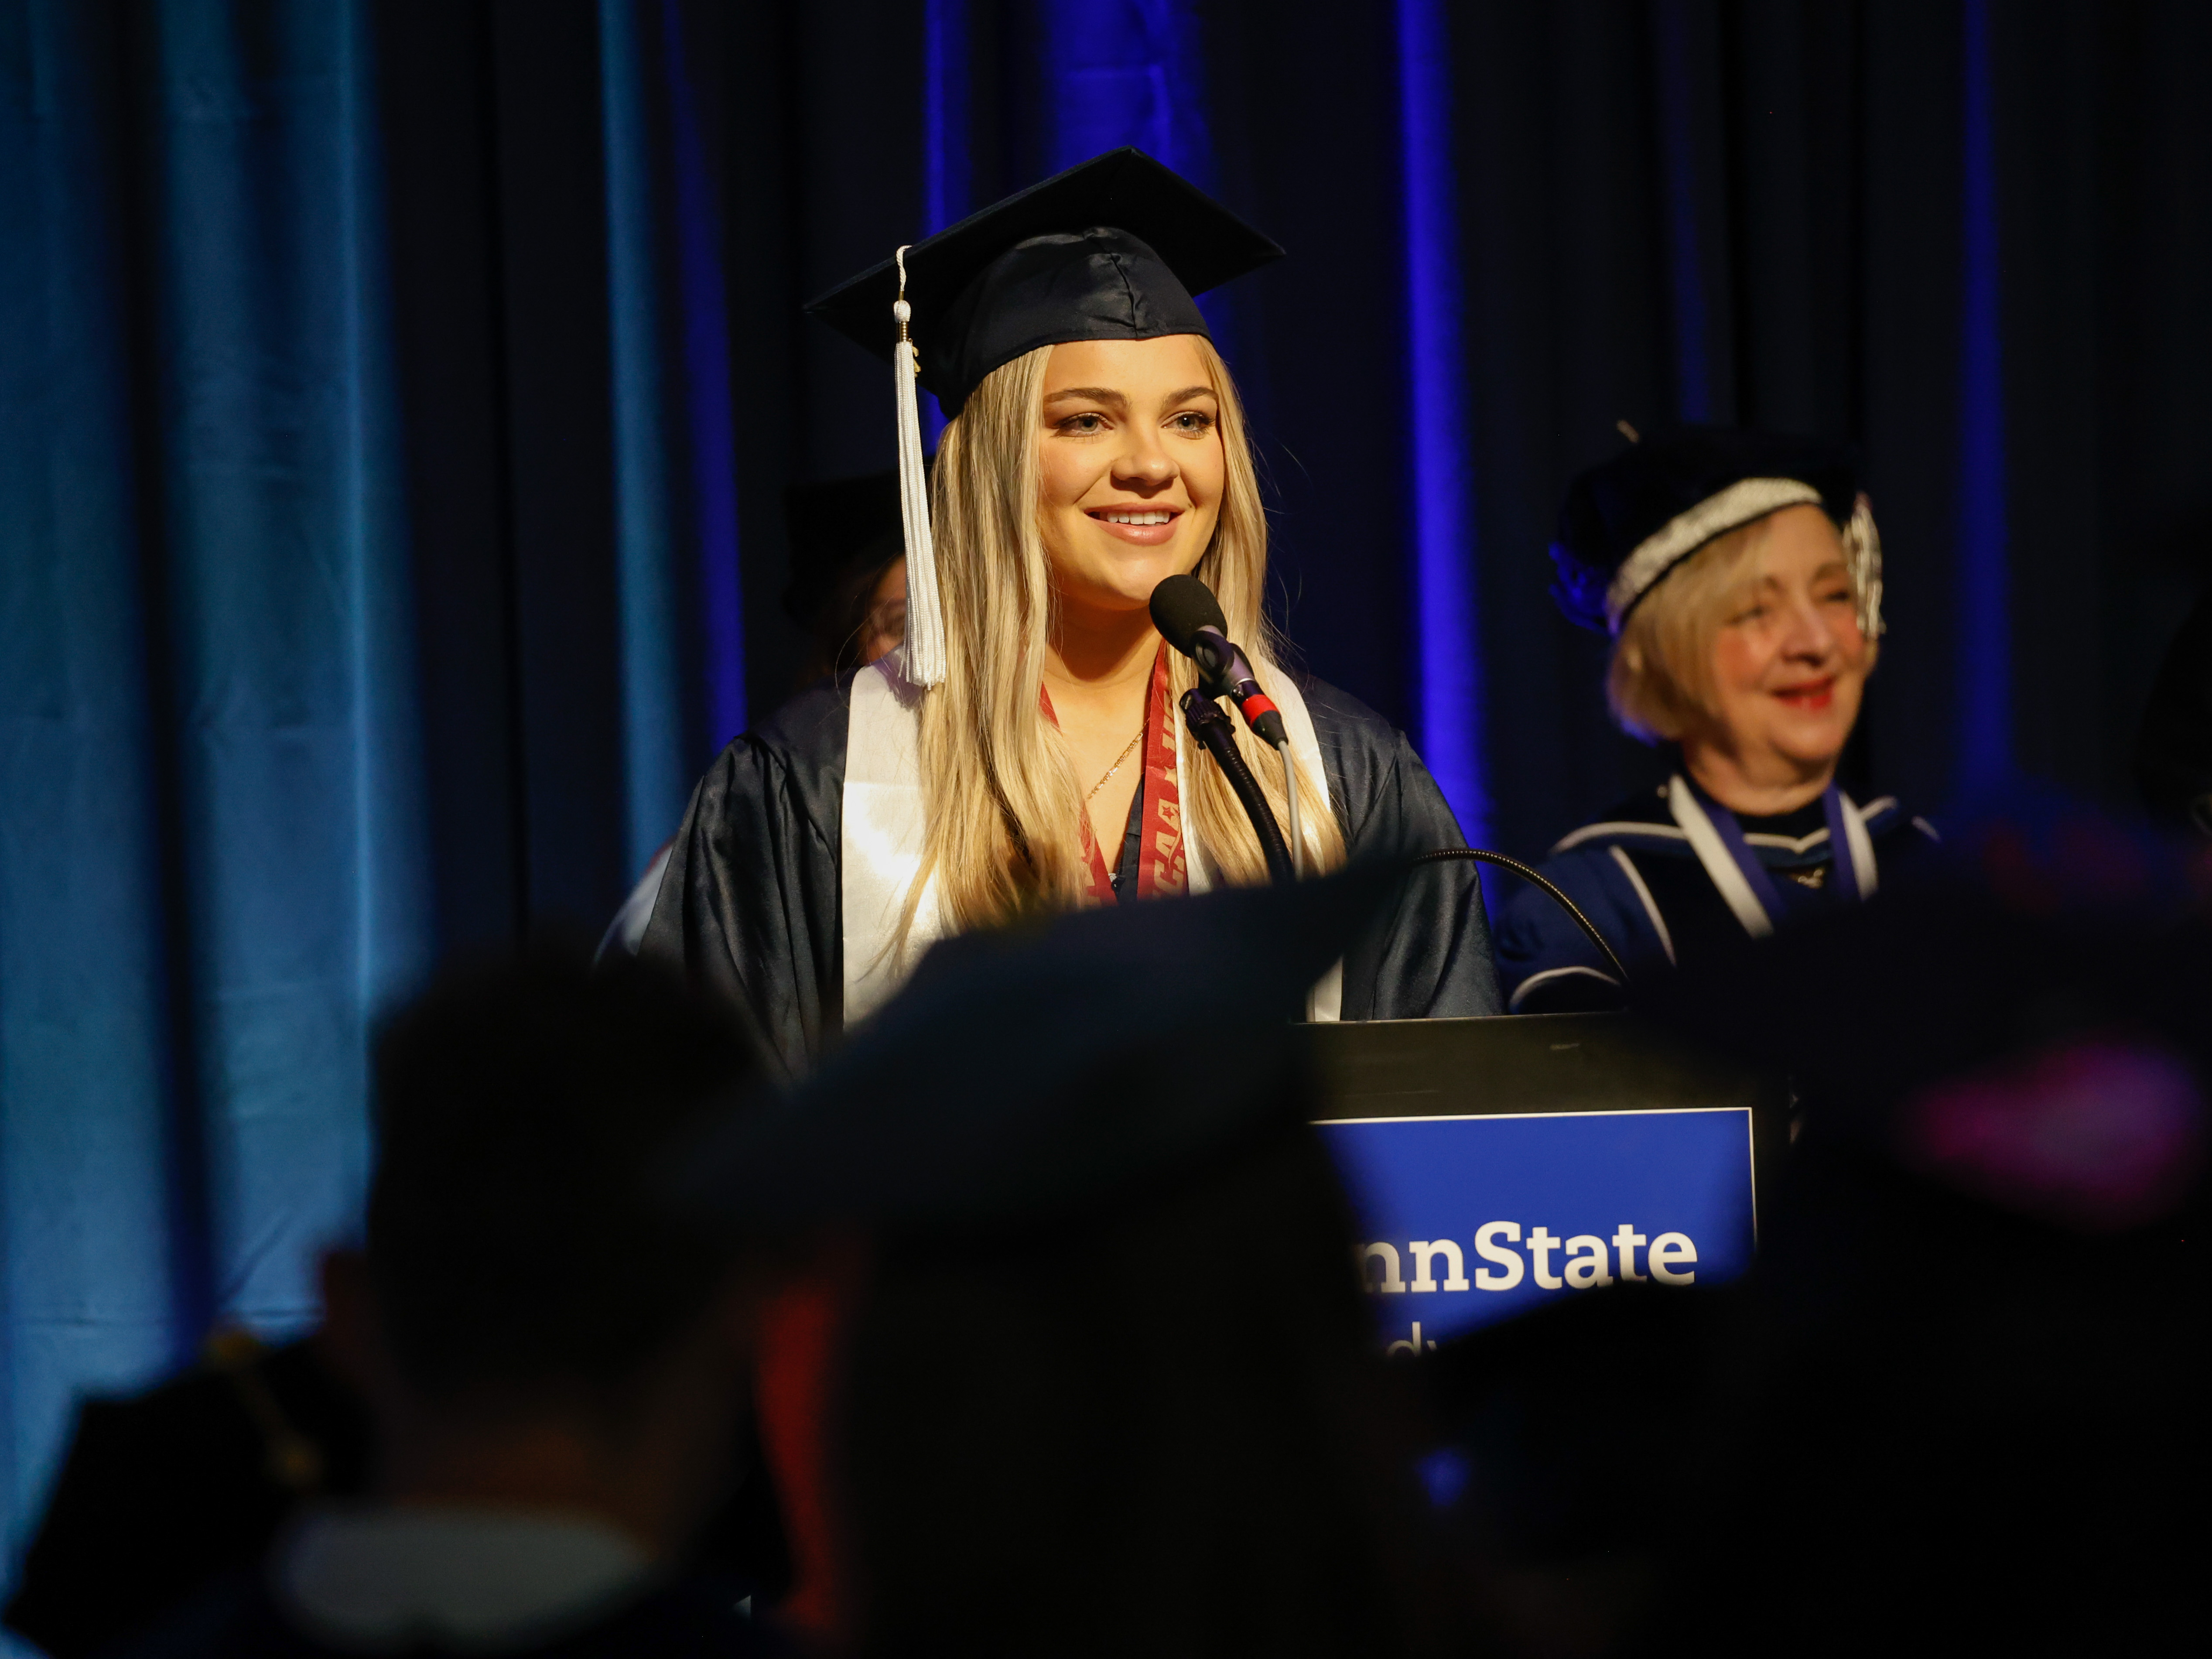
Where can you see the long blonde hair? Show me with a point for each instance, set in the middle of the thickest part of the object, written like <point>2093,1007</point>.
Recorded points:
<point>1004,809</point>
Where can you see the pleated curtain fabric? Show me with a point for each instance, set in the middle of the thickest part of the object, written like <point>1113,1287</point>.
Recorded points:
<point>210,840</point>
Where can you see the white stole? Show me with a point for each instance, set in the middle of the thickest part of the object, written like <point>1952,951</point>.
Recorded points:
<point>880,836</point>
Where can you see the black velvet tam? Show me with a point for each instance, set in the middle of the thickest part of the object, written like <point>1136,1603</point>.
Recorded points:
<point>1616,507</point>
<point>1112,249</point>
<point>838,529</point>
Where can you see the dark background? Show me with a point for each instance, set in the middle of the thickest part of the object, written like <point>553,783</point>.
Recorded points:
<point>397,400</point>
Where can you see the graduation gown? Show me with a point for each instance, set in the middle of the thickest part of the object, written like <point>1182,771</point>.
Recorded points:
<point>750,908</point>
<point>1638,878</point>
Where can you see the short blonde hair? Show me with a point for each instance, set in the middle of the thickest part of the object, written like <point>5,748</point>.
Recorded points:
<point>1659,683</point>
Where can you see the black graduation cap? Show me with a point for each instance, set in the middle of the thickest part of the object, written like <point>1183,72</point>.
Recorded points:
<point>1112,249</point>
<point>1024,1074</point>
<point>1628,521</point>
<point>838,529</point>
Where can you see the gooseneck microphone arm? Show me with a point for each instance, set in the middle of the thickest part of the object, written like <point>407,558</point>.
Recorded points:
<point>1481,855</point>
<point>1224,669</point>
<point>1203,718</point>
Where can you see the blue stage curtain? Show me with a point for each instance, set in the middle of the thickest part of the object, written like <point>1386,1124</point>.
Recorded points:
<point>369,589</point>
<point>212,871</point>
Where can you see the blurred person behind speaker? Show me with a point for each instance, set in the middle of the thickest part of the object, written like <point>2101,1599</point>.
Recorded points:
<point>847,586</point>
<point>847,591</point>
<point>1080,1363</point>
<point>556,1373</point>
<point>1739,574</point>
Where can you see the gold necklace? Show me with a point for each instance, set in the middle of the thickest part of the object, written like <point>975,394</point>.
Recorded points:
<point>1116,767</point>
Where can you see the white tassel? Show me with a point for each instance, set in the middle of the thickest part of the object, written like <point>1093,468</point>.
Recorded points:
<point>925,613</point>
<point>1862,548</point>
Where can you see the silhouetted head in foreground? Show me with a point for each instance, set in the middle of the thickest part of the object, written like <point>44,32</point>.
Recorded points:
<point>515,1251</point>
<point>1965,1409</point>
<point>533,1332</point>
<point>1957,1406</point>
<point>556,1370</point>
<point>1080,1363</point>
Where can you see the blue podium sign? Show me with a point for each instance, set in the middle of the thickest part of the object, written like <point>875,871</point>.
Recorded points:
<point>1470,1219</point>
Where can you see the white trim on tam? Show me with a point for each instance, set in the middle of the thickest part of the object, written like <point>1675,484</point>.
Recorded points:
<point>1686,532</point>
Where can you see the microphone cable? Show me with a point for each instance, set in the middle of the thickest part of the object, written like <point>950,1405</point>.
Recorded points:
<point>1574,911</point>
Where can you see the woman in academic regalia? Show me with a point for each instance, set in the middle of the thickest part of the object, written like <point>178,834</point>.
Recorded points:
<point>1739,575</point>
<point>1020,750</point>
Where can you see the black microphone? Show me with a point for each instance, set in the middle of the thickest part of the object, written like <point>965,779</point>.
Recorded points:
<point>1189,618</point>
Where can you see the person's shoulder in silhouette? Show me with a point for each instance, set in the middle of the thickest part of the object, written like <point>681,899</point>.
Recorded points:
<point>186,1481</point>
<point>556,1371</point>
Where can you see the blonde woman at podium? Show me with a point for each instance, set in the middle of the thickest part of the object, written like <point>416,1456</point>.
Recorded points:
<point>1022,750</point>
<point>1739,574</point>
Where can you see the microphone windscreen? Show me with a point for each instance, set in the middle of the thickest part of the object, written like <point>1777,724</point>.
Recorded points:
<point>1181,606</point>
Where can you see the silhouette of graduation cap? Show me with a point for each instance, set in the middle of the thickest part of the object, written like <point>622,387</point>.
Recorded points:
<point>1026,1073</point>
<point>1112,249</point>
<point>1629,521</point>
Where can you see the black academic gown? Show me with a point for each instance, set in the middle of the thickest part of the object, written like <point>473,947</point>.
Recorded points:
<point>749,909</point>
<point>1633,874</point>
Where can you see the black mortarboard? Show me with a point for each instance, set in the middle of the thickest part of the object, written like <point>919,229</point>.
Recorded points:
<point>1629,520</point>
<point>1024,1074</point>
<point>1112,249</point>
<point>837,529</point>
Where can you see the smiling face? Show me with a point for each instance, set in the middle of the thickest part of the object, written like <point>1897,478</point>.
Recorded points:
<point>1131,468</point>
<point>1787,665</point>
